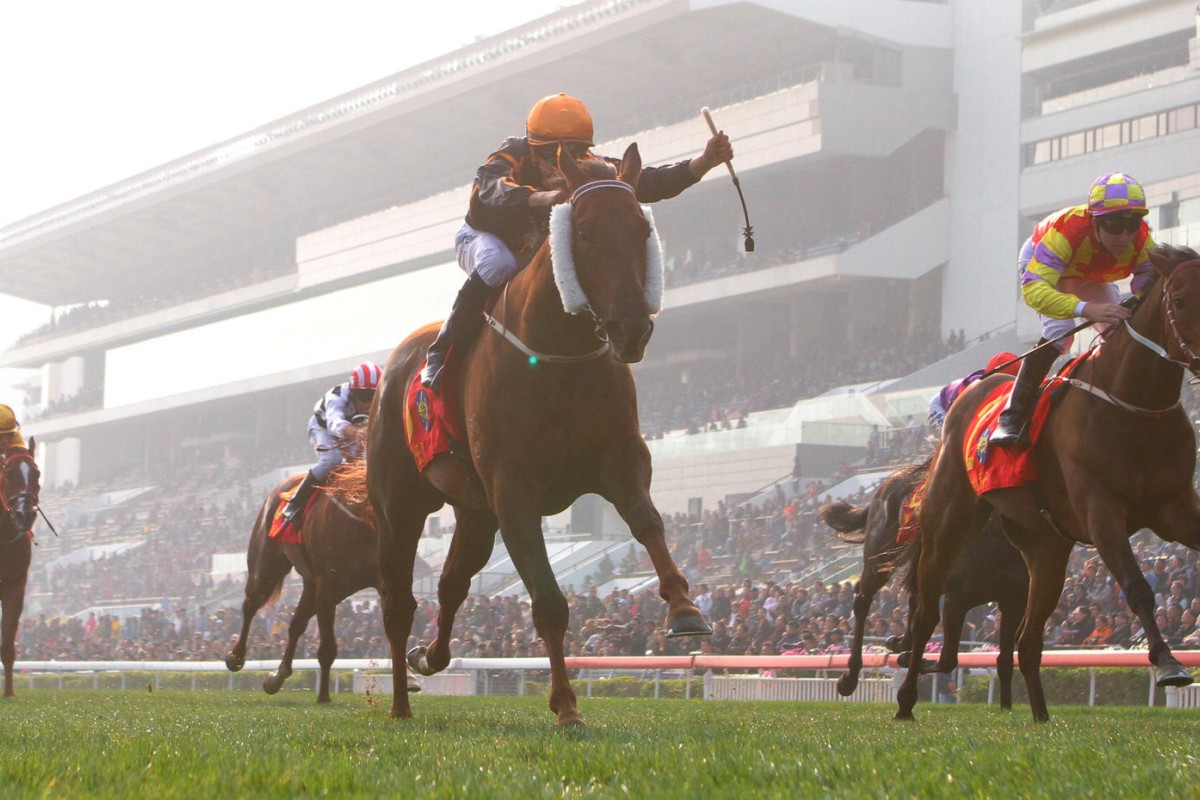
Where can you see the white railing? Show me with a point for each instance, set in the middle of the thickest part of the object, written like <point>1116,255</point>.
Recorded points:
<point>713,686</point>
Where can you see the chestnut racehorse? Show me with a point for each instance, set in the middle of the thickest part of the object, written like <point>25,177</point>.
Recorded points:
<point>551,414</point>
<point>337,557</point>
<point>1117,454</point>
<point>19,488</point>
<point>990,570</point>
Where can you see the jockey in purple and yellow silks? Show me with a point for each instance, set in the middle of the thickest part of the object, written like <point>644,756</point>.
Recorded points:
<point>509,213</point>
<point>1068,269</point>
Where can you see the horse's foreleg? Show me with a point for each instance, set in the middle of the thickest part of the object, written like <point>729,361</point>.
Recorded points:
<point>470,548</point>
<point>522,534</point>
<point>954,615</point>
<point>1118,557</point>
<point>1010,617</point>
<point>327,648</point>
<point>399,533</point>
<point>646,524</point>
<point>13,603</point>
<point>300,617</point>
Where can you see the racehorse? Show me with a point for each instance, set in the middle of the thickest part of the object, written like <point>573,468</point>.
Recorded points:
<point>19,488</point>
<point>990,570</point>
<point>1116,454</point>
<point>550,414</point>
<point>337,557</point>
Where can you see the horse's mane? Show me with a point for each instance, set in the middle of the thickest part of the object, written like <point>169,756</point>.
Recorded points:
<point>348,483</point>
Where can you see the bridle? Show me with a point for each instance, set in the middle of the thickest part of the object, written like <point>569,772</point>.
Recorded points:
<point>1192,365</point>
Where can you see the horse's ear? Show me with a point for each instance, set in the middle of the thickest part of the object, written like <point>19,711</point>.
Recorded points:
<point>1164,259</point>
<point>571,171</point>
<point>631,166</point>
<point>32,444</point>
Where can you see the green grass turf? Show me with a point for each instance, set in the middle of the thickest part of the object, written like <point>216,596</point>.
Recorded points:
<point>70,743</point>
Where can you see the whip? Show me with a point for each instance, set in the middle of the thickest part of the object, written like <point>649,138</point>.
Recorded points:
<point>748,231</point>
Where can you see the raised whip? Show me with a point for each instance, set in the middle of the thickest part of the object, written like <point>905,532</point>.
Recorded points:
<point>748,231</point>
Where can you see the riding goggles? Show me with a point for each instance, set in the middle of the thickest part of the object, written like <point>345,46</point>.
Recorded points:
<point>1116,224</point>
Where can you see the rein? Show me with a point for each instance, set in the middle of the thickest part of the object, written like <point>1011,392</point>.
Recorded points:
<point>500,328</point>
<point>6,505</point>
<point>1192,366</point>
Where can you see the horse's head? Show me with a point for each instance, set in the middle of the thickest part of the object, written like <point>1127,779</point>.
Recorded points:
<point>610,240</point>
<point>1179,277</point>
<point>19,486</point>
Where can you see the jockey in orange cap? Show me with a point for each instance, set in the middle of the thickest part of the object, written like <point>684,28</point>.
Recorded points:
<point>1068,269</point>
<point>1003,362</point>
<point>10,431</point>
<point>509,212</point>
<point>330,429</point>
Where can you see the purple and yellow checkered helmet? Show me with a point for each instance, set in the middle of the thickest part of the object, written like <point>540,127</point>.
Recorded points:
<point>1116,192</point>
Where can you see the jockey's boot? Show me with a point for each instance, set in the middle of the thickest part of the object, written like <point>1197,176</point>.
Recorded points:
<point>466,317</point>
<point>295,507</point>
<point>1011,428</point>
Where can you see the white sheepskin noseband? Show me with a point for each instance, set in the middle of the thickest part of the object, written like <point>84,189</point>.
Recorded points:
<point>563,258</point>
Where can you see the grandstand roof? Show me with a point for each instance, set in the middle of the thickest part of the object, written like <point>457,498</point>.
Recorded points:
<point>239,205</point>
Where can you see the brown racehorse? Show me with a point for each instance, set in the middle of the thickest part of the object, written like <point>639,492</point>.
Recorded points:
<point>338,557</point>
<point>990,570</point>
<point>19,490</point>
<point>542,429</point>
<point>1116,455</point>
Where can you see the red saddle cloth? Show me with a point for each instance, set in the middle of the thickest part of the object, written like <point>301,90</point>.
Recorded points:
<point>910,514</point>
<point>431,424</point>
<point>283,530</point>
<point>989,467</point>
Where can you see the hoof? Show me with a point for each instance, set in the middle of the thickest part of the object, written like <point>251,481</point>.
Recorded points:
<point>1173,676</point>
<point>234,663</point>
<point>571,722</point>
<point>273,683</point>
<point>904,716</point>
<point>417,661</point>
<point>847,684</point>
<point>688,624</point>
<point>895,644</point>
<point>323,701</point>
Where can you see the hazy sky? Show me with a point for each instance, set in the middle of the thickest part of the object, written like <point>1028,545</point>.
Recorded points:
<point>94,92</point>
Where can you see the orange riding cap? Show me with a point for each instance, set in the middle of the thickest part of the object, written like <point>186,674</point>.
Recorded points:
<point>559,118</point>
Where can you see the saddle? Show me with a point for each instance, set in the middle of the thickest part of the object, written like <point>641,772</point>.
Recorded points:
<point>282,529</point>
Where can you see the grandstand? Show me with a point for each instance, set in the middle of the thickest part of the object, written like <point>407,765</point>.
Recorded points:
<point>894,153</point>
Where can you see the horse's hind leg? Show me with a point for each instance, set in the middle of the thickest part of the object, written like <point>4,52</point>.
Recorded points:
<point>268,567</point>
<point>868,586</point>
<point>942,536</point>
<point>470,548</point>
<point>300,617</point>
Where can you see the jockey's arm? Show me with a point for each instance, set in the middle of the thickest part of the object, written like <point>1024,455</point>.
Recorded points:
<point>336,406</point>
<point>1039,281</point>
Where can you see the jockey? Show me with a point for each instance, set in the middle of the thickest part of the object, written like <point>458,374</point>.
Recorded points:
<point>1068,269</point>
<point>330,431</point>
<point>10,431</point>
<point>941,401</point>
<point>509,212</point>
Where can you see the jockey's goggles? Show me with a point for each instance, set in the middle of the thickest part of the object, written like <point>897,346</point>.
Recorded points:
<point>1116,224</point>
<point>549,152</point>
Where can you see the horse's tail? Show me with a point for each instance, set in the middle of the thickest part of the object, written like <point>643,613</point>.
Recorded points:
<point>901,556</point>
<point>348,483</point>
<point>848,522</point>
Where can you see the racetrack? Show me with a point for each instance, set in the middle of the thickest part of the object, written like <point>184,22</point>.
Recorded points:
<point>234,744</point>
